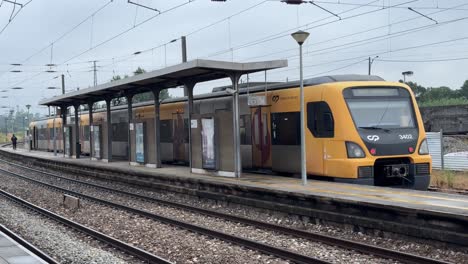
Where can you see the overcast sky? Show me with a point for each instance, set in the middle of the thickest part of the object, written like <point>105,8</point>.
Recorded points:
<point>433,47</point>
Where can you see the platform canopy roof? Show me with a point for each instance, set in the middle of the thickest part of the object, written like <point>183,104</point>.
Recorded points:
<point>194,71</point>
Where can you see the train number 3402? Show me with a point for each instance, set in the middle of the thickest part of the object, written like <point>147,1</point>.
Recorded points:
<point>407,136</point>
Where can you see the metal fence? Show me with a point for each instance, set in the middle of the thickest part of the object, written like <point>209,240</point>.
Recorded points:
<point>440,160</point>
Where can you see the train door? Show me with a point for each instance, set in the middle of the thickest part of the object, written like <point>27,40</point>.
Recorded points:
<point>261,140</point>
<point>178,137</point>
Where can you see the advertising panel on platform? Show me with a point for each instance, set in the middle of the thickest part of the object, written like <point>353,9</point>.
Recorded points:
<point>208,143</point>
<point>96,130</point>
<point>140,142</point>
<point>67,141</point>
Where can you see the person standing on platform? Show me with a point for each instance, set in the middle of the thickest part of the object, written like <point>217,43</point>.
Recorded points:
<point>13,141</point>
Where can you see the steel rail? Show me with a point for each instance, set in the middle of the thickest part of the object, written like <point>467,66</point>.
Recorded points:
<point>329,240</point>
<point>33,249</point>
<point>134,251</point>
<point>248,243</point>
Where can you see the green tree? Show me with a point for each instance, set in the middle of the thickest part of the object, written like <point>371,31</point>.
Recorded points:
<point>464,90</point>
<point>439,93</point>
<point>143,97</point>
<point>418,90</point>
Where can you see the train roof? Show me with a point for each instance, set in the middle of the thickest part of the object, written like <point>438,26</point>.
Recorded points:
<point>259,87</point>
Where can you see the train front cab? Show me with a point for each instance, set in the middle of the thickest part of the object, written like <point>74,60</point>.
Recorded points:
<point>367,133</point>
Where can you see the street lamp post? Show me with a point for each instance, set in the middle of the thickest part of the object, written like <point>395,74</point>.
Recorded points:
<point>24,130</point>
<point>300,37</point>
<point>406,73</point>
<point>371,60</point>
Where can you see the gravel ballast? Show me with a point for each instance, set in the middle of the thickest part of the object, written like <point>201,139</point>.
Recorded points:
<point>415,246</point>
<point>59,242</point>
<point>172,243</point>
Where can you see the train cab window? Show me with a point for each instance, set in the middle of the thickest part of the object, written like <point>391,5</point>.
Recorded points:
<point>320,120</point>
<point>285,128</point>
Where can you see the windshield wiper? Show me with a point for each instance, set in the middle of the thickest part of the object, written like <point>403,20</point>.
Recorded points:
<point>375,128</point>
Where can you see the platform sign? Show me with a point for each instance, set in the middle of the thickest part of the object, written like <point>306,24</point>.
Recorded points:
<point>140,142</point>
<point>68,138</point>
<point>256,100</point>
<point>208,143</point>
<point>96,130</point>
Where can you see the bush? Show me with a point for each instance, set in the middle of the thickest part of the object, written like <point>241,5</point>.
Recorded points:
<point>444,102</point>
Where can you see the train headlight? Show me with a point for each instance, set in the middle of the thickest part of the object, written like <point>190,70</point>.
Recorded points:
<point>354,150</point>
<point>424,148</point>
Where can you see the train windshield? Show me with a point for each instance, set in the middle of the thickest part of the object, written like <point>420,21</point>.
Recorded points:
<point>381,112</point>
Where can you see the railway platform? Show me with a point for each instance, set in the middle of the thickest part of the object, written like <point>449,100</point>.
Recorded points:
<point>430,215</point>
<point>11,252</point>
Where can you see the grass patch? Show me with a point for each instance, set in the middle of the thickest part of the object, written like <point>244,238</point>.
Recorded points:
<point>449,179</point>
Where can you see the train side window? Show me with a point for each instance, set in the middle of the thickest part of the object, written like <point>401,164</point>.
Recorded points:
<point>166,131</point>
<point>245,130</point>
<point>285,128</point>
<point>320,120</point>
<point>86,132</point>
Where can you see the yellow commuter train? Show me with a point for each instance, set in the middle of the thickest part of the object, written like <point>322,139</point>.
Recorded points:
<point>359,129</point>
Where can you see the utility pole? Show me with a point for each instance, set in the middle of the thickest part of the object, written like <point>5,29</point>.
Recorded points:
<point>6,129</point>
<point>63,85</point>
<point>184,57</point>
<point>184,49</point>
<point>371,60</point>
<point>29,143</point>
<point>370,65</point>
<point>95,73</point>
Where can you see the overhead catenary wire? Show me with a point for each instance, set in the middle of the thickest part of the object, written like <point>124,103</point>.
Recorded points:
<point>287,32</point>
<point>101,43</point>
<point>127,30</point>
<point>357,33</point>
<point>150,49</point>
<point>13,14</point>
<point>61,36</point>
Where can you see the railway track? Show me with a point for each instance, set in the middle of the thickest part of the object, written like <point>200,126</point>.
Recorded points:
<point>129,249</point>
<point>39,253</point>
<point>342,243</point>
<point>454,191</point>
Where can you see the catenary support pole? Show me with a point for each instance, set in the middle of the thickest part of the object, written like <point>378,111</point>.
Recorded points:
<point>63,84</point>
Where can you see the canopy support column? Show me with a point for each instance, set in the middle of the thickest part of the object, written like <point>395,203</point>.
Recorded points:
<point>157,127</point>
<point>63,109</point>
<point>54,132</point>
<point>188,88</point>
<point>109,129</point>
<point>129,97</point>
<point>77,132</point>
<point>235,119</point>
<point>91,136</point>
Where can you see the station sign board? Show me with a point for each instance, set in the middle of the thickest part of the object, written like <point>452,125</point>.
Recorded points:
<point>256,100</point>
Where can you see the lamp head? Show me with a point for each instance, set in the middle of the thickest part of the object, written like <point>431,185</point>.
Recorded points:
<point>300,36</point>
<point>409,73</point>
